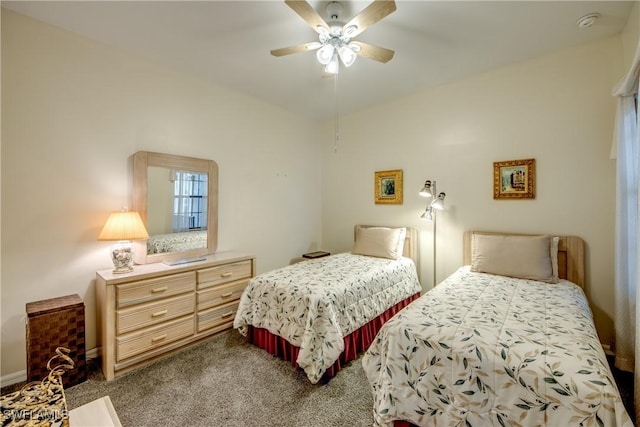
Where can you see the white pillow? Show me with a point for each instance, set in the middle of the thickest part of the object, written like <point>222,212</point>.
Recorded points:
<point>378,242</point>
<point>525,257</point>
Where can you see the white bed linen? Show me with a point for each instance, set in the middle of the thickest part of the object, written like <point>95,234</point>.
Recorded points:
<point>487,350</point>
<point>315,304</point>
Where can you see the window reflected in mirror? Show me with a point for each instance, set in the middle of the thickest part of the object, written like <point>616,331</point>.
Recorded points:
<point>189,201</point>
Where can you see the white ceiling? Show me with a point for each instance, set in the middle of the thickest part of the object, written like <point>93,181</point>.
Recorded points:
<point>228,42</point>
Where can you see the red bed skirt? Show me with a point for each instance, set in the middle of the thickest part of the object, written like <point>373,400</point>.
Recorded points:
<point>354,343</point>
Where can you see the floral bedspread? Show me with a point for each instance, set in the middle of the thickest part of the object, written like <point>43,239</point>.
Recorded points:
<point>486,350</point>
<point>177,242</point>
<point>315,304</point>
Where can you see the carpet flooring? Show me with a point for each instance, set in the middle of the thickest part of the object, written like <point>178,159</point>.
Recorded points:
<point>224,381</point>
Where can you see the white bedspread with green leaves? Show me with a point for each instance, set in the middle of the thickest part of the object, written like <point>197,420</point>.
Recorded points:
<point>315,304</point>
<point>485,350</point>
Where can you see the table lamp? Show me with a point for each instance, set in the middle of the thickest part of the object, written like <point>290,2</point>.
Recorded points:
<point>123,227</point>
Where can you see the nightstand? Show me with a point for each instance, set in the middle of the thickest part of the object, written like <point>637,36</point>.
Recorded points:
<point>316,254</point>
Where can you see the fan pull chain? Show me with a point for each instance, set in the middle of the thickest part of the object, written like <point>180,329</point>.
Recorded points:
<point>336,124</point>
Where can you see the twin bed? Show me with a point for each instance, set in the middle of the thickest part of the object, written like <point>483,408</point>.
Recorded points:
<point>319,314</point>
<point>507,340</point>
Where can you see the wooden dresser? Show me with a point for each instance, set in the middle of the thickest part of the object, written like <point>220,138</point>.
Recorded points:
<point>159,308</point>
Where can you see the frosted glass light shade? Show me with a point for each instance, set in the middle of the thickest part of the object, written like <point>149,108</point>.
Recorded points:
<point>325,54</point>
<point>349,31</point>
<point>333,67</point>
<point>347,55</point>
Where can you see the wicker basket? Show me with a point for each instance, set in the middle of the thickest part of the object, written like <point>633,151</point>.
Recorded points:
<point>53,323</point>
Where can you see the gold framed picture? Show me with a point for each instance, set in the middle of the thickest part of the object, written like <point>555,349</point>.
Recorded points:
<point>514,179</point>
<point>388,187</point>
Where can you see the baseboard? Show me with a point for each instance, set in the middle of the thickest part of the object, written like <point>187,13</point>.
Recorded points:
<point>14,378</point>
<point>607,350</point>
<point>21,376</point>
<point>93,353</point>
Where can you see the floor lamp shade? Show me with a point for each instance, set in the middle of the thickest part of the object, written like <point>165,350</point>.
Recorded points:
<point>123,227</point>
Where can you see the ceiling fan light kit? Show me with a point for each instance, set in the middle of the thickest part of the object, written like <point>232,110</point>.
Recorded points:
<point>347,55</point>
<point>335,45</point>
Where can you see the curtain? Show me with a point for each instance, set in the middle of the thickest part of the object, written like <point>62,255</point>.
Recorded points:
<point>626,260</point>
<point>627,239</point>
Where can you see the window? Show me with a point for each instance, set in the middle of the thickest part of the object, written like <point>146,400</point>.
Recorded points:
<point>190,201</point>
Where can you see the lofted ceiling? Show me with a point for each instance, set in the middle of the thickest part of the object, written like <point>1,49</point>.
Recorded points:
<point>228,42</point>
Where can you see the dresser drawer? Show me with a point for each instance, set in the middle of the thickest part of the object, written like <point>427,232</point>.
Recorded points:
<point>139,316</point>
<point>217,316</point>
<point>217,295</point>
<point>224,274</point>
<point>154,289</point>
<point>156,336</point>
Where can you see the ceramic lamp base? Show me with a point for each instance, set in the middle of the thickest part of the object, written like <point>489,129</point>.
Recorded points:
<point>122,257</point>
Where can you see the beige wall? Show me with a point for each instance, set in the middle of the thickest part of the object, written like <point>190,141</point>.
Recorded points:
<point>631,35</point>
<point>557,109</point>
<point>73,111</point>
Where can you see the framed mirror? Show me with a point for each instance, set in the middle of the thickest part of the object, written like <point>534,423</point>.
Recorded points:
<point>177,198</point>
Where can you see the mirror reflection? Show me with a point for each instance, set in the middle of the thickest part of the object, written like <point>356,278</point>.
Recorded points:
<point>177,198</point>
<point>177,203</point>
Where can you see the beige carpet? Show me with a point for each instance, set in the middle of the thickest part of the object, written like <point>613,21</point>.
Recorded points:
<point>224,381</point>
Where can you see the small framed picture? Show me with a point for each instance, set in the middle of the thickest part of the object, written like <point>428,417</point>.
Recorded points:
<point>388,187</point>
<point>514,179</point>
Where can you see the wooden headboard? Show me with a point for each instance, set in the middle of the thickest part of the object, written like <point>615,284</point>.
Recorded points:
<point>570,254</point>
<point>410,241</point>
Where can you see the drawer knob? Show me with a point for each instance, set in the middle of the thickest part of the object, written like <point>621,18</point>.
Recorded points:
<point>159,338</point>
<point>158,290</point>
<point>159,313</point>
<point>227,274</point>
<point>227,295</point>
<point>228,314</point>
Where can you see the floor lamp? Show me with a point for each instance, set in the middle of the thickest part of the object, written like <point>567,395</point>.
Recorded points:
<point>429,214</point>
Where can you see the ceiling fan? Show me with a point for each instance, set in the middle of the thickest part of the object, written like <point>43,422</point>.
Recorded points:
<point>335,42</point>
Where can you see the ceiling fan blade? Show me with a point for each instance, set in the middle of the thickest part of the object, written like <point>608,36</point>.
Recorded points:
<point>370,15</point>
<point>307,13</point>
<point>295,49</point>
<point>370,51</point>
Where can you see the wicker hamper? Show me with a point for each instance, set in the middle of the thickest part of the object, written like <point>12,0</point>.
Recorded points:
<point>53,323</point>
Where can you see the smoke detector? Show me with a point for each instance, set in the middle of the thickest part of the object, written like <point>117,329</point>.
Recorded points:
<point>588,20</point>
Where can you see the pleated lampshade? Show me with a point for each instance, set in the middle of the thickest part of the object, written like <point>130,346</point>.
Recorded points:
<point>124,226</point>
